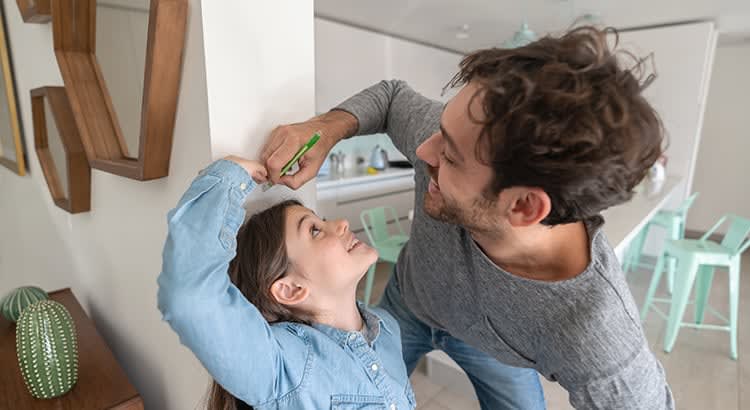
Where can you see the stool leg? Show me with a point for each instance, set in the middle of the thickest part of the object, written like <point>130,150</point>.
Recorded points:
<point>637,248</point>
<point>702,289</point>
<point>626,258</point>
<point>674,233</point>
<point>368,284</point>
<point>682,228</point>
<point>671,269</point>
<point>684,283</point>
<point>655,277</point>
<point>734,297</point>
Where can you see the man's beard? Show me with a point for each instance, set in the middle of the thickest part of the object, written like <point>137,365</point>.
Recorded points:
<point>474,217</point>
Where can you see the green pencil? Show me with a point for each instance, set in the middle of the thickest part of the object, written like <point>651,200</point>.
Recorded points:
<point>314,139</point>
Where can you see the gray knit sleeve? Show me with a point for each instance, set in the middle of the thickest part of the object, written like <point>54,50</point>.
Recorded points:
<point>393,107</point>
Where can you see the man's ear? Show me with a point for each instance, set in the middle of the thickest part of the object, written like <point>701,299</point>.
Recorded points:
<point>529,206</point>
<point>287,292</point>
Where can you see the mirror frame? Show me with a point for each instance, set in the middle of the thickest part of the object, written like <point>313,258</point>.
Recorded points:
<point>35,11</point>
<point>19,165</point>
<point>78,197</point>
<point>74,38</point>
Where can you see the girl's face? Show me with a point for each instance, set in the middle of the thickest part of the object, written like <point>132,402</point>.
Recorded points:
<point>325,255</point>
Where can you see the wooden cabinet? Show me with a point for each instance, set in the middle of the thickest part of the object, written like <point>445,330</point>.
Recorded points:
<point>102,384</point>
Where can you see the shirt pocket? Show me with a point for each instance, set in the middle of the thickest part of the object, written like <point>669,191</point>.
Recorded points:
<point>493,343</point>
<point>357,402</point>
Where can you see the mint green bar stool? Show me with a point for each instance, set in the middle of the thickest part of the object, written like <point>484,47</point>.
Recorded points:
<point>672,221</point>
<point>695,264</point>
<point>375,222</point>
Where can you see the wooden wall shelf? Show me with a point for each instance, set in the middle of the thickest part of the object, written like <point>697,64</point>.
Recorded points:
<point>74,32</point>
<point>74,37</point>
<point>35,11</point>
<point>78,196</point>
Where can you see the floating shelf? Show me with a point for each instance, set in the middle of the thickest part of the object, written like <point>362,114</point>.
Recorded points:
<point>74,38</point>
<point>74,32</point>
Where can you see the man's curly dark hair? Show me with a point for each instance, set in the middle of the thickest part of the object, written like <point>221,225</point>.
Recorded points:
<point>566,115</point>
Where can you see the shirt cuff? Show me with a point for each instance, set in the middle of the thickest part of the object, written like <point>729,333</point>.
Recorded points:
<point>232,173</point>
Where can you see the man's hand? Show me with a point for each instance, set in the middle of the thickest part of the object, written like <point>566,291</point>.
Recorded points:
<point>286,140</point>
<point>254,168</point>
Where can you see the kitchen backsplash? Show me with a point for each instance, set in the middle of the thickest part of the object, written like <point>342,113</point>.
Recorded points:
<point>362,146</point>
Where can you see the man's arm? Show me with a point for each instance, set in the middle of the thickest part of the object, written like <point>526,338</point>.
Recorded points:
<point>396,109</point>
<point>388,106</point>
<point>639,384</point>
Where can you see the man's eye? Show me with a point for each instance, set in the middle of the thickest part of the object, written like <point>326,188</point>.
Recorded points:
<point>448,160</point>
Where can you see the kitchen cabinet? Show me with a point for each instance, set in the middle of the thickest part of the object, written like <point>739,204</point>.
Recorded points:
<point>346,198</point>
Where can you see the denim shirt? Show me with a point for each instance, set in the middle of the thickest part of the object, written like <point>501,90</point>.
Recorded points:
<point>269,366</point>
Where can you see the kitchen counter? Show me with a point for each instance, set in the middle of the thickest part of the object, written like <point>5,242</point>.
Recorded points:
<point>353,177</point>
<point>623,222</point>
<point>348,196</point>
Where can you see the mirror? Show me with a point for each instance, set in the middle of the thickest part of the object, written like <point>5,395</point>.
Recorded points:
<point>121,37</point>
<point>12,152</point>
<point>60,150</point>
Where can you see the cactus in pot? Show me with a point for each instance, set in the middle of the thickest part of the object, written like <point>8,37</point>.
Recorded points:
<point>47,349</point>
<point>14,302</point>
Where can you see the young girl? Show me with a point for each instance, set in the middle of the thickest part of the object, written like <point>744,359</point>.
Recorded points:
<point>271,311</point>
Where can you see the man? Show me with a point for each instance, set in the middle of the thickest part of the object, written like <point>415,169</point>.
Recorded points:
<point>507,268</point>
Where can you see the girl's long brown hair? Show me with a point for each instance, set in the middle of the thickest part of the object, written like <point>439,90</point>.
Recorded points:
<point>261,259</point>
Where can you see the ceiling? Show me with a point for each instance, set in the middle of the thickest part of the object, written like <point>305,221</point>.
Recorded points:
<point>490,22</point>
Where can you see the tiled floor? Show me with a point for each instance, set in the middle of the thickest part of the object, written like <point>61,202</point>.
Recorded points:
<point>699,370</point>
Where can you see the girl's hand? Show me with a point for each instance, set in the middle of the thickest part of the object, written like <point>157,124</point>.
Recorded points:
<point>254,168</point>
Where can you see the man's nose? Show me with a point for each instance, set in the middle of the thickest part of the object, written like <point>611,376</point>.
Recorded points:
<point>428,150</point>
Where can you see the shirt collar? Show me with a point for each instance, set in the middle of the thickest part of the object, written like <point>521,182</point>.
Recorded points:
<point>373,321</point>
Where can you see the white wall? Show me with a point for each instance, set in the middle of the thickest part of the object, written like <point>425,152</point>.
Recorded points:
<point>265,79</point>
<point>683,55</point>
<point>722,174</point>
<point>111,256</point>
<point>349,59</point>
<point>683,58</point>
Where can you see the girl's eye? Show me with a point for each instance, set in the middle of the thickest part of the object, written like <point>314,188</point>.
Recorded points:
<point>314,231</point>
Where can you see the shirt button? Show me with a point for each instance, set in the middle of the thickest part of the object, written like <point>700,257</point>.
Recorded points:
<point>243,186</point>
<point>352,336</point>
<point>393,406</point>
<point>374,367</point>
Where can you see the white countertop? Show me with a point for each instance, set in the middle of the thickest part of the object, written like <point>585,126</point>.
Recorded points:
<point>356,178</point>
<point>623,222</point>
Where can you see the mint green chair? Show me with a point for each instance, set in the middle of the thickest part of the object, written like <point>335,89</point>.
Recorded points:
<point>375,222</point>
<point>695,263</point>
<point>672,221</point>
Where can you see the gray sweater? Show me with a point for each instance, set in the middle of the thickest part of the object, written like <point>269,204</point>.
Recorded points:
<point>583,332</point>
